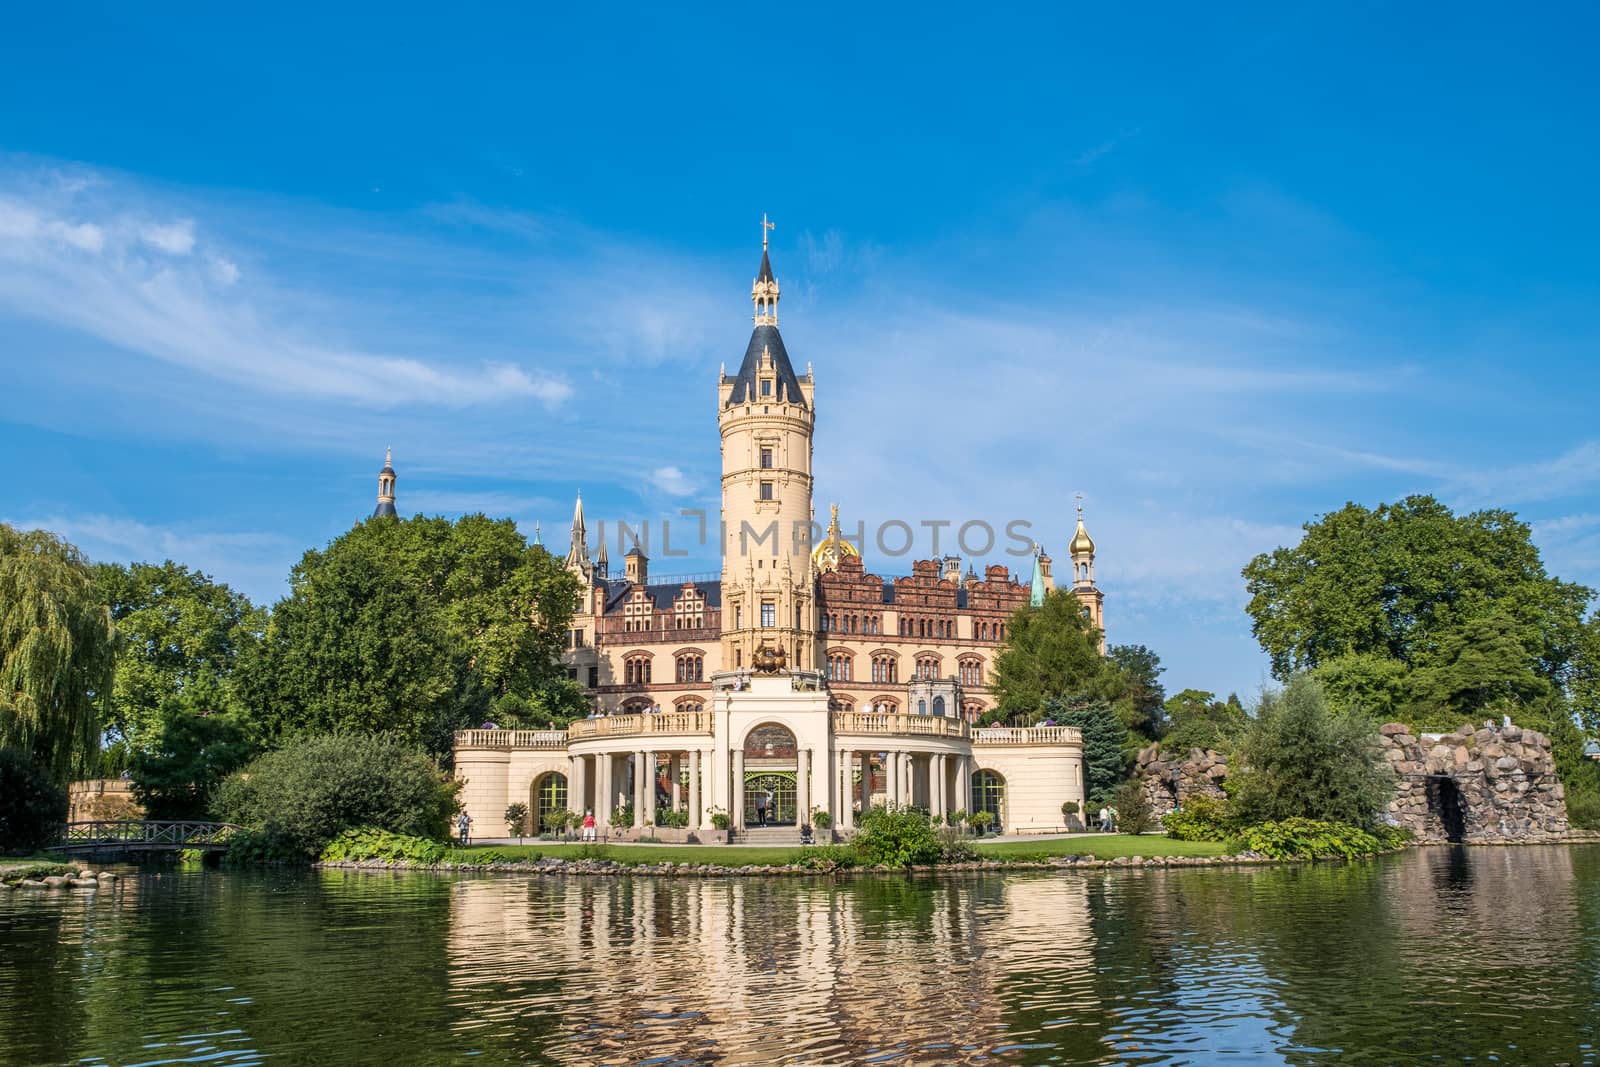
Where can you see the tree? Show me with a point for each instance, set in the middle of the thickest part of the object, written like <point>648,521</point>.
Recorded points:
<point>1140,701</point>
<point>1302,758</point>
<point>178,633</point>
<point>57,653</point>
<point>175,776</point>
<point>1398,580</point>
<point>1105,743</point>
<point>32,806</point>
<point>1197,719</point>
<point>1050,651</point>
<point>299,798</point>
<point>416,626</point>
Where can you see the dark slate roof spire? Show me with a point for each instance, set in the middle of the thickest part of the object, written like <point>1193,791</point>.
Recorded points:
<point>386,479</point>
<point>766,358</point>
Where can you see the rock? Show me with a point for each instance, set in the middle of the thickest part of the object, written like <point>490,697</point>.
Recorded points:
<point>1393,729</point>
<point>1460,756</point>
<point>87,874</point>
<point>83,883</point>
<point>31,883</point>
<point>55,881</point>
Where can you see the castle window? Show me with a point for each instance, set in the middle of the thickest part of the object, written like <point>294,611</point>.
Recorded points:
<point>766,490</point>
<point>766,459</point>
<point>690,668</point>
<point>766,387</point>
<point>769,614</point>
<point>594,677</point>
<point>884,669</point>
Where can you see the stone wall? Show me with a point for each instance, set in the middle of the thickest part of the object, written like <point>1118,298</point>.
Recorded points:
<point>102,799</point>
<point>1169,781</point>
<point>1485,784</point>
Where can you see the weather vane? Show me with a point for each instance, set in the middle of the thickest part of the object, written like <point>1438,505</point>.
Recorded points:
<point>765,226</point>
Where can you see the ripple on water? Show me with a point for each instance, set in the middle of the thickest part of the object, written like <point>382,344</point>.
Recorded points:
<point>1434,955</point>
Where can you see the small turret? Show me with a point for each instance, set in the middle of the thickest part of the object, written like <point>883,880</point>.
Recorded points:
<point>386,479</point>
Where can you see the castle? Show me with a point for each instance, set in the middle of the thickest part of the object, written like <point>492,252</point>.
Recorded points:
<point>796,677</point>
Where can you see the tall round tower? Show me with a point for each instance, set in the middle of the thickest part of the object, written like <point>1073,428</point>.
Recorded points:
<point>766,415</point>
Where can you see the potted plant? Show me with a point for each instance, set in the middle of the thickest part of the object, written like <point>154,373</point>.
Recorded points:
<point>981,821</point>
<point>719,819</point>
<point>956,818</point>
<point>1069,814</point>
<point>822,820</point>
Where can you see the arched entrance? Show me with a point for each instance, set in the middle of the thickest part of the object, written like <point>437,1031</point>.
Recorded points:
<point>769,776</point>
<point>1445,804</point>
<point>989,794</point>
<point>549,799</point>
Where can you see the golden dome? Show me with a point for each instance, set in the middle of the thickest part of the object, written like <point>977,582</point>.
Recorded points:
<point>833,548</point>
<point>1082,544</point>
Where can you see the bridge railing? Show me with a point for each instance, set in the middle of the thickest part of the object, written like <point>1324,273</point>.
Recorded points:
<point>148,833</point>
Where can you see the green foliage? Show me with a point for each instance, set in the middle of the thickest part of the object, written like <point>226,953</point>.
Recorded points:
<point>1069,808</point>
<point>827,857</point>
<point>957,817</point>
<point>1197,719</point>
<point>1299,759</point>
<point>32,806</point>
<point>517,819</point>
<point>57,653</point>
<point>301,797</point>
<point>1050,650</point>
<point>1583,810</point>
<point>479,857</point>
<point>370,843</point>
<point>179,638</point>
<point>1133,809</point>
<point>720,820</point>
<point>1105,744</point>
<point>1139,696</point>
<point>1312,839</point>
<point>1201,819</point>
<point>622,815</point>
<point>674,819</point>
<point>981,821</point>
<point>954,846</point>
<point>821,819</point>
<point>896,837</point>
<point>594,852</point>
<point>175,777</point>
<point>418,627</point>
<point>1463,603</point>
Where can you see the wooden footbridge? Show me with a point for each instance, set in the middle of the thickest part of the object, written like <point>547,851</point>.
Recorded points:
<point>130,835</point>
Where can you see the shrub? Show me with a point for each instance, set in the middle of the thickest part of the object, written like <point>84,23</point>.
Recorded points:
<point>1583,810</point>
<point>896,837</point>
<point>368,843</point>
<point>32,807</point>
<point>594,852</point>
<point>981,821</point>
<point>1201,819</point>
<point>827,857</point>
<point>674,819</point>
<point>821,819</point>
<point>957,817</point>
<point>1310,839</point>
<point>296,800</point>
<point>719,819</point>
<point>1069,808</point>
<point>462,857</point>
<point>175,779</point>
<point>1300,759</point>
<point>622,816</point>
<point>954,847</point>
<point>517,819</point>
<point>1133,808</point>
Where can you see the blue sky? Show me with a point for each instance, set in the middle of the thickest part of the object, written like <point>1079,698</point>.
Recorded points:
<point>1219,272</point>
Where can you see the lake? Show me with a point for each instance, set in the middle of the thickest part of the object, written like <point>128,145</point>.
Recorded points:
<point>1435,955</point>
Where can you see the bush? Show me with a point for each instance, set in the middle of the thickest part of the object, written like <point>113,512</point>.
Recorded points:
<point>1300,760</point>
<point>954,847</point>
<point>1583,810</point>
<point>33,808</point>
<point>194,753</point>
<point>827,857</point>
<point>1311,839</point>
<point>677,820</point>
<point>517,819</point>
<point>981,821</point>
<point>1133,809</point>
<point>622,816</point>
<point>368,843</point>
<point>822,820</point>
<point>1201,819</point>
<point>956,818</point>
<point>719,819</point>
<point>296,800</point>
<point>1069,808</point>
<point>896,837</point>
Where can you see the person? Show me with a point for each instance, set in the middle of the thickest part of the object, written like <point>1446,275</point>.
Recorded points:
<point>761,809</point>
<point>464,829</point>
<point>1112,811</point>
<point>588,825</point>
<point>806,837</point>
<point>1105,819</point>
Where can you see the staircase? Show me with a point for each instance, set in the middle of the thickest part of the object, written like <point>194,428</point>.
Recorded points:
<point>773,836</point>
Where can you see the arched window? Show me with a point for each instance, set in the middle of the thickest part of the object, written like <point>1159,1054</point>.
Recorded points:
<point>922,707</point>
<point>938,706</point>
<point>989,794</point>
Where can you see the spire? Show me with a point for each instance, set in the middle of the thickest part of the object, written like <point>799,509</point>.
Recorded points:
<point>578,552</point>
<point>602,563</point>
<point>386,479</point>
<point>1082,551</point>
<point>536,540</point>
<point>1036,596</point>
<point>764,291</point>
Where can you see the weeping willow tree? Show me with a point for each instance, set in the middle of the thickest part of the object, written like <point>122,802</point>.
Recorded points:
<point>57,654</point>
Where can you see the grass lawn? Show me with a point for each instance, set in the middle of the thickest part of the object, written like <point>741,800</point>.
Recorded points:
<point>1107,847</point>
<point>34,866</point>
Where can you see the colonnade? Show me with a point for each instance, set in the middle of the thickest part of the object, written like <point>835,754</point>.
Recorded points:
<point>941,782</point>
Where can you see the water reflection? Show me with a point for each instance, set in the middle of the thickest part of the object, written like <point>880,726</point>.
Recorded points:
<point>1441,953</point>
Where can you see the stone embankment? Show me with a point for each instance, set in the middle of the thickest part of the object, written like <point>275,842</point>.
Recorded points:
<point>553,865</point>
<point>1171,782</point>
<point>83,879</point>
<point>1486,785</point>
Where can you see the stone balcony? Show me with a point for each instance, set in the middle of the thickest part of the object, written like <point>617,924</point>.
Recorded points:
<point>661,723</point>
<point>703,724</point>
<point>1014,736</point>
<point>894,724</point>
<point>511,739</point>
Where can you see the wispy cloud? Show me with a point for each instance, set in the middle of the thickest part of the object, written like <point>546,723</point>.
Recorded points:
<point>672,481</point>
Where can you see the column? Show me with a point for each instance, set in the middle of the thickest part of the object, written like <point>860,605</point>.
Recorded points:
<point>866,782</point>
<point>845,808</point>
<point>936,801</point>
<point>802,787</point>
<point>577,786</point>
<point>736,792</point>
<point>964,784</point>
<point>675,772</point>
<point>651,767</point>
<point>908,778</point>
<point>602,790</point>
<point>640,786</point>
<point>892,764</point>
<point>694,789</point>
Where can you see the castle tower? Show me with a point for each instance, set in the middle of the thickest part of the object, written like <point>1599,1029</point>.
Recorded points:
<point>386,487</point>
<point>766,416</point>
<point>1083,587</point>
